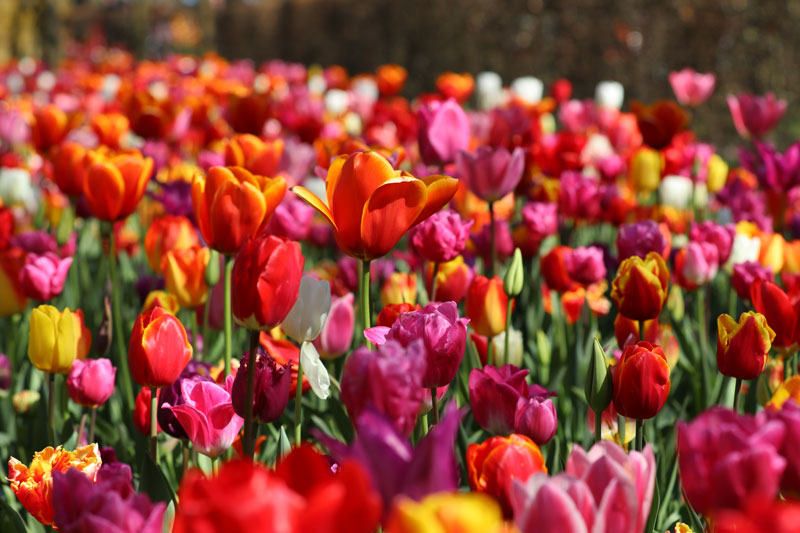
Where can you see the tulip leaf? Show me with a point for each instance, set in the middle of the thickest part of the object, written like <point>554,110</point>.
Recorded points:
<point>153,482</point>
<point>284,446</point>
<point>654,509</point>
<point>9,518</point>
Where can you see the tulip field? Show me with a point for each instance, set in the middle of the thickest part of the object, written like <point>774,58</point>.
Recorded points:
<point>290,299</point>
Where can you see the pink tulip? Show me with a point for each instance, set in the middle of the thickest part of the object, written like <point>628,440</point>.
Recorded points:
<point>540,219</point>
<point>555,504</point>
<point>789,416</point>
<point>692,88</point>
<point>441,237</point>
<point>701,263</point>
<point>91,381</point>
<point>292,219</point>
<point>491,173</point>
<point>579,196</point>
<point>729,461</point>
<point>337,333</point>
<point>745,274</point>
<point>208,416</point>
<point>577,116</point>
<point>721,237</point>
<point>585,265</point>
<point>43,276</point>
<point>536,418</point>
<point>443,130</point>
<point>755,115</point>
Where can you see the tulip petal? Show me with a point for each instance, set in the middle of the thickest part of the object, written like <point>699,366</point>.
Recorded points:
<point>198,193</point>
<point>377,334</point>
<point>389,213</point>
<point>441,190</point>
<point>314,370</point>
<point>236,212</point>
<point>311,199</point>
<point>135,173</point>
<point>104,190</point>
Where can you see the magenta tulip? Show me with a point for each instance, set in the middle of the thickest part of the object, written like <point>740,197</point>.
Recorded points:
<point>747,273</point>
<point>789,416</point>
<point>640,238</point>
<point>540,219</point>
<point>579,196</point>
<point>755,115</point>
<point>536,418</point>
<point>90,383</point>
<point>585,265</point>
<point>443,130</point>
<point>721,237</point>
<point>692,88</point>
<point>491,173</point>
<point>43,276</point>
<point>291,219</point>
<point>441,237</point>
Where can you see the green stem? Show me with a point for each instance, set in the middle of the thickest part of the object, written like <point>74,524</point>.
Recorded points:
<point>489,350</point>
<point>298,404</point>
<point>493,257</point>
<point>433,281</point>
<point>732,302</point>
<point>434,406</point>
<point>737,389</point>
<point>92,421</point>
<point>641,330</point>
<point>703,330</point>
<point>228,323</point>
<point>248,445</point>
<point>363,294</point>
<point>51,423</point>
<point>154,424</point>
<point>116,318</point>
<point>506,344</point>
<point>639,434</point>
<point>598,426</point>
<point>204,325</point>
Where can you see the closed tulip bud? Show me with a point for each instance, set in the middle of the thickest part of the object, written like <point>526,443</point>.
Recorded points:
<point>640,287</point>
<point>213,269</point>
<point>536,419</point>
<point>390,79</point>
<point>487,305</point>
<point>599,386</point>
<point>337,333</point>
<point>91,381</point>
<point>742,348</point>
<point>642,384</point>
<point>399,288</point>
<point>266,281</point>
<point>159,349</point>
<point>271,393</point>
<point>185,275</point>
<point>43,276</point>
<point>170,232</point>
<point>114,186</point>
<point>515,275</point>
<point>441,237</point>
<point>646,170</point>
<point>50,126</point>
<point>141,412</point>
<point>57,338</point>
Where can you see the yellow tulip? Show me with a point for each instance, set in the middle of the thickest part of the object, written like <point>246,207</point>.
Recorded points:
<point>717,173</point>
<point>57,338</point>
<point>772,251</point>
<point>646,170</point>
<point>461,512</point>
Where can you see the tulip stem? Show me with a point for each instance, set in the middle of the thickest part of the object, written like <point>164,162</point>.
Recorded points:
<point>506,344</point>
<point>433,281</point>
<point>298,404</point>
<point>92,421</point>
<point>598,426</point>
<point>639,434</point>
<point>204,325</point>
<point>363,294</point>
<point>641,330</point>
<point>489,350</point>
<point>154,424</point>
<point>493,257</point>
<point>434,407</point>
<point>247,444</point>
<point>228,325</point>
<point>116,319</point>
<point>51,389</point>
<point>737,389</point>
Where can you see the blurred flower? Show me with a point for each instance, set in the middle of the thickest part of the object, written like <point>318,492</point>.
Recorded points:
<point>721,237</point>
<point>25,401</point>
<point>292,219</point>
<point>114,186</point>
<point>337,333</point>
<point>185,274</point>
<point>489,90</point>
<point>166,233</point>
<point>456,86</point>
<point>609,94</point>
<point>50,126</point>
<point>742,348</point>
<point>491,173</point>
<point>745,275</point>
<point>641,383</point>
<point>391,312</point>
<point>585,265</point>
<point>579,196</point>
<point>91,381</point>
<point>755,115</point>
<point>167,301</point>
<point>443,130</point>
<point>399,288</point>
<point>5,373</point>
<point>16,188</point>
<point>486,305</point>
<point>781,313</point>
<point>646,168</point>
<point>390,79</point>
<point>659,122</point>
<point>696,264</point>
<point>458,512</point>
<point>452,280</point>
<point>541,219</point>
<point>692,88</point>
<point>639,289</point>
<point>675,191</point>
<point>515,348</point>
<point>255,155</point>
<point>110,128</point>
<point>69,167</point>
<point>758,518</point>
<point>159,349</point>
<point>56,338</point>
<point>441,237</point>
<point>141,411</point>
<point>42,277</point>
<point>528,89</point>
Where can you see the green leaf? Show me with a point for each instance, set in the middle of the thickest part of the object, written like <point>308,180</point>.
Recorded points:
<point>153,482</point>
<point>10,518</point>
<point>284,447</point>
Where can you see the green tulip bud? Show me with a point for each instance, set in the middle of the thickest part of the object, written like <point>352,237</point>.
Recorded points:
<point>599,387</point>
<point>212,269</point>
<point>512,284</point>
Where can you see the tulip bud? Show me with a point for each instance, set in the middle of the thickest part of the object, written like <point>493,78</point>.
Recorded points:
<point>536,418</point>
<point>515,276</point>
<point>599,386</point>
<point>91,382</point>
<point>212,269</point>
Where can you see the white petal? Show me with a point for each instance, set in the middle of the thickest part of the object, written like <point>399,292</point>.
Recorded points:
<point>314,370</point>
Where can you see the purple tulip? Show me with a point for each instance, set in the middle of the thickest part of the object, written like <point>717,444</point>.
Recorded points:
<point>337,333</point>
<point>540,219</point>
<point>755,115</point>
<point>718,235</point>
<point>536,418</point>
<point>389,379</point>
<point>586,264</point>
<point>777,172</point>
<point>579,196</point>
<point>5,372</point>
<point>291,219</point>
<point>640,238</point>
<point>109,504</point>
<point>43,276</point>
<point>729,461</point>
<point>271,393</point>
<point>91,381</point>
<point>35,242</point>
<point>441,237</point>
<point>443,130</point>
<point>491,173</point>
<point>504,241</point>
<point>745,274</point>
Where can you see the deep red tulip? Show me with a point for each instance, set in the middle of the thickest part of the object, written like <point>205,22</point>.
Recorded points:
<point>772,302</point>
<point>642,384</point>
<point>159,349</point>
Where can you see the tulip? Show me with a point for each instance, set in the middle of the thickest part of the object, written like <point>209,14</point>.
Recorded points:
<point>585,265</point>
<point>231,205</point>
<point>660,122</point>
<point>540,219</point>
<point>744,249</point>
<point>440,238</point>
<point>399,288</point>
<point>159,349</point>
<point>641,384</point>
<point>389,379</point>
<point>257,156</point>
<point>772,251</point>
<point>455,86</point>
<point>489,90</point>
<point>774,516</point>
<point>14,299</point>
<point>609,94</point>
<point>266,280</point>
<point>452,280</point>
<point>33,485</point>
<point>528,89</point>
<point>781,314</point>
<point>337,333</point>
<point>692,88</point>
<point>110,503</point>
<point>494,464</point>
<point>640,288</point>
<point>640,239</point>
<point>57,338</point>
<point>170,232</point>
<point>392,312</point>
<point>371,206</point>
<point>69,170</point>
<point>14,127</point>
<point>599,386</point>
<point>646,168</point>
<point>443,130</point>
<point>696,264</point>
<point>208,417</point>
<point>742,348</point>
<point>536,419</point>
<point>746,274</point>
<point>486,305</point>
<point>271,388</point>
<point>675,191</point>
<point>91,381</point>
<point>755,115</point>
<point>113,187</point>
<point>168,302</point>
<point>457,512</point>
<point>50,126</point>
<point>721,237</point>
<point>789,416</point>
<point>729,461</point>
<point>491,174</point>
<point>16,188</point>
<point>553,504</point>
<point>185,274</point>
<point>43,276</point>
<point>390,79</point>
<point>292,219</point>
<point>110,128</point>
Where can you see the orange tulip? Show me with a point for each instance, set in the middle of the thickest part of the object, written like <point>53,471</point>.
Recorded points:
<point>792,252</point>
<point>390,79</point>
<point>399,288</point>
<point>257,156</point>
<point>69,170</point>
<point>640,288</point>
<point>487,305</point>
<point>371,206</point>
<point>109,128</point>
<point>453,85</point>
<point>170,232</point>
<point>771,253</point>
<point>231,205</point>
<point>185,274</point>
<point>114,186</point>
<point>50,126</point>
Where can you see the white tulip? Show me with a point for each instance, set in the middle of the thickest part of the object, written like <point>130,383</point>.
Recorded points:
<point>336,101</point>
<point>609,94</point>
<point>675,191</point>
<point>499,357</point>
<point>744,249</point>
<point>597,148</point>
<point>489,90</point>
<point>528,89</point>
<point>366,87</point>
<point>317,84</point>
<point>16,188</point>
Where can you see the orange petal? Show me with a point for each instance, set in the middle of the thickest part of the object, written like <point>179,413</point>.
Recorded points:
<point>105,190</point>
<point>236,213</point>
<point>441,190</point>
<point>215,177</point>
<point>334,171</point>
<point>389,212</point>
<point>201,208</point>
<point>136,173</point>
<point>311,199</point>
<point>273,191</point>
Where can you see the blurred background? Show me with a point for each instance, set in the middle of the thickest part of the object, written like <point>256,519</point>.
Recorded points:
<point>751,45</point>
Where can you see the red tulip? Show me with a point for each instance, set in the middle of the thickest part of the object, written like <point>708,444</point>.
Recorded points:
<point>486,305</point>
<point>141,412</point>
<point>554,267</point>
<point>642,384</point>
<point>782,316</point>
<point>742,348</point>
<point>159,349</point>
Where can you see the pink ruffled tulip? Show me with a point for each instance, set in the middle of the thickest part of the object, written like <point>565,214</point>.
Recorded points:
<point>692,88</point>
<point>640,238</point>
<point>585,265</point>
<point>536,418</point>
<point>208,416</point>
<point>43,276</point>
<point>579,196</point>
<point>491,173</point>
<point>337,333</point>
<point>443,130</point>
<point>729,461</point>
<point>441,237</point>
<point>540,219</point>
<point>91,381</point>
<point>721,237</point>
<point>745,274</point>
<point>755,115</point>
<point>389,380</point>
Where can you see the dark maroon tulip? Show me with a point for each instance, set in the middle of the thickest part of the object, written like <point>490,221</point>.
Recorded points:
<point>271,393</point>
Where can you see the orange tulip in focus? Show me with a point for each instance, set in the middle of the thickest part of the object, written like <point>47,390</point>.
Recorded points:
<point>453,85</point>
<point>640,288</point>
<point>390,79</point>
<point>185,274</point>
<point>166,301</point>
<point>231,205</point>
<point>170,232</point>
<point>109,128</point>
<point>33,485</point>
<point>69,169</point>
<point>159,349</point>
<point>494,464</point>
<point>399,288</point>
<point>371,206</point>
<point>257,156</point>
<point>114,186</point>
<point>50,126</point>
<point>487,305</point>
